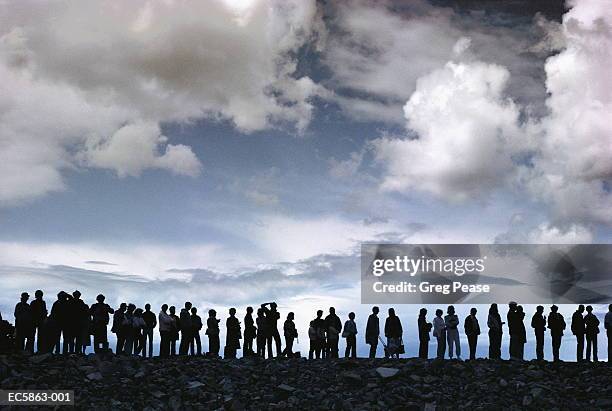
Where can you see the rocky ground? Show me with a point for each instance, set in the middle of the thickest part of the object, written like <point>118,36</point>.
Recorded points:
<point>117,383</point>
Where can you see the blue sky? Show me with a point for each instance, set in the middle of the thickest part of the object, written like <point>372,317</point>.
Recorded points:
<point>238,151</point>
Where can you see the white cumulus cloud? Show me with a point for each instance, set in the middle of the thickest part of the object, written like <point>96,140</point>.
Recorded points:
<point>467,134</point>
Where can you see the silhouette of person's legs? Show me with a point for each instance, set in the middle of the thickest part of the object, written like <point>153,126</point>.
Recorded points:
<point>269,345</point>
<point>452,337</point>
<point>591,346</point>
<point>539,344</point>
<point>351,347</point>
<point>288,347</point>
<point>373,348</point>
<point>441,345</point>
<point>579,347</point>
<point>423,349</point>
<point>472,342</point>
<point>198,343</point>
<point>556,344</point>
<point>277,341</point>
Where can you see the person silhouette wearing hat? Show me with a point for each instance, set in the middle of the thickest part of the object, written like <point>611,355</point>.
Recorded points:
<point>24,324</point>
<point>556,325</point>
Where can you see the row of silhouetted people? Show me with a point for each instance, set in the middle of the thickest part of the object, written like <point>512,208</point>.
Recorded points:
<point>72,322</point>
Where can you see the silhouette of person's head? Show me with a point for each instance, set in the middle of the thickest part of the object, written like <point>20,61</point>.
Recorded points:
<point>130,308</point>
<point>332,310</point>
<point>312,324</point>
<point>554,308</point>
<point>76,294</point>
<point>581,308</point>
<point>194,310</point>
<point>493,309</point>
<point>249,310</point>
<point>273,306</point>
<point>589,309</point>
<point>439,312</point>
<point>232,312</point>
<point>24,297</point>
<point>512,306</point>
<point>450,310</point>
<point>519,309</point>
<point>172,310</point>
<point>212,313</point>
<point>147,307</point>
<point>610,308</point>
<point>290,316</point>
<point>38,294</point>
<point>260,312</point>
<point>422,312</point>
<point>375,310</point>
<point>473,311</point>
<point>122,307</point>
<point>100,298</point>
<point>540,309</point>
<point>164,307</point>
<point>61,296</point>
<point>391,312</point>
<point>352,315</point>
<point>319,313</point>
<point>187,305</point>
<point>138,312</point>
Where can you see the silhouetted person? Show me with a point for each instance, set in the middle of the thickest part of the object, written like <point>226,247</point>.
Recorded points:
<point>313,339</point>
<point>147,334</point>
<point>166,324</point>
<point>263,333</point>
<point>522,332</point>
<point>350,334</point>
<point>196,326</point>
<point>291,334</point>
<point>118,327</point>
<point>333,327</point>
<point>100,314</point>
<point>373,332</point>
<point>608,327</point>
<point>320,328</point>
<point>39,316</point>
<point>591,323</point>
<point>212,330</point>
<point>233,335</point>
<point>272,317</point>
<point>556,325</point>
<point>393,332</point>
<point>24,324</point>
<point>451,320</point>
<point>185,325</point>
<point>59,314</point>
<point>250,332</point>
<point>424,329</point>
<point>82,325</point>
<point>176,327</point>
<point>472,331</point>
<point>495,325</point>
<point>538,323</point>
<point>513,330</point>
<point>128,329</point>
<point>139,325</point>
<point>577,327</point>
<point>439,331</point>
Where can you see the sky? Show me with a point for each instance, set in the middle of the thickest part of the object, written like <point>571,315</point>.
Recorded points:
<point>233,152</point>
